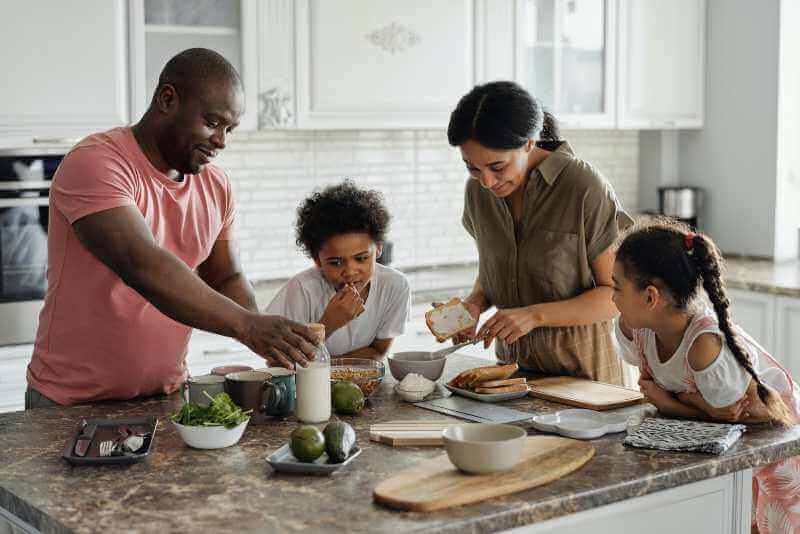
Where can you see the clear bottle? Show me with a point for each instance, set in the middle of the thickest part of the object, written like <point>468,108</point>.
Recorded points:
<point>314,383</point>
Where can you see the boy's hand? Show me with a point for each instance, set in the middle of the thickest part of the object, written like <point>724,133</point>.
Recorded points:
<point>345,306</point>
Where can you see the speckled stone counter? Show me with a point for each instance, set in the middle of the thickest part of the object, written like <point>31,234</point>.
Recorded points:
<point>765,276</point>
<point>178,489</point>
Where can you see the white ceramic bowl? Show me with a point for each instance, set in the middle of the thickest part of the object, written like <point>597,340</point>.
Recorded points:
<point>210,437</point>
<point>420,362</point>
<point>484,448</point>
<point>411,395</point>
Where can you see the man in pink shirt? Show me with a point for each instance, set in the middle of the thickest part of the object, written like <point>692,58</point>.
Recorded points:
<point>141,249</point>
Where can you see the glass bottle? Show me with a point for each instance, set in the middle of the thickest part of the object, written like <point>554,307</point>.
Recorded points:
<point>314,382</point>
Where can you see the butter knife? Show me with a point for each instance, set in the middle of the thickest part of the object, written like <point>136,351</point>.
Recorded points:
<point>84,439</point>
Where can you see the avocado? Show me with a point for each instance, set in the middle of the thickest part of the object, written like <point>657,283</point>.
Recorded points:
<point>340,438</point>
<point>346,398</point>
<point>307,443</point>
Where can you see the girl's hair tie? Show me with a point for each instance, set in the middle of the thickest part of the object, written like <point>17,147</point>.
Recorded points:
<point>688,242</point>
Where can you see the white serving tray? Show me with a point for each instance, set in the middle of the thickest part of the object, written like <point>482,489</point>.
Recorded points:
<point>582,424</point>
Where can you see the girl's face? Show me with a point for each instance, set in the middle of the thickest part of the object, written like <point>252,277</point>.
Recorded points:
<point>634,304</point>
<point>500,171</point>
<point>348,259</point>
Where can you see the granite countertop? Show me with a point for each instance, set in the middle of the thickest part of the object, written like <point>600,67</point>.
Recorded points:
<point>765,276</point>
<point>187,490</point>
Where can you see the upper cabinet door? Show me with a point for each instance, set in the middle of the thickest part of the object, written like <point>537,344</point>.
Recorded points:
<point>566,51</point>
<point>661,63</point>
<point>382,63</point>
<point>64,69</point>
<point>162,28</point>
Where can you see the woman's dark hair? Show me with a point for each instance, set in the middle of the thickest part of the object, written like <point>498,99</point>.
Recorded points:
<point>666,254</point>
<point>501,116</point>
<point>340,209</point>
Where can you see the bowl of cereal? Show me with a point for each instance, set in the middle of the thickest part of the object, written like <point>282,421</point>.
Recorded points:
<point>365,373</point>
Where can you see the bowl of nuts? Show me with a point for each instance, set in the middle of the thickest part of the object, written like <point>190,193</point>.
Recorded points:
<point>365,373</point>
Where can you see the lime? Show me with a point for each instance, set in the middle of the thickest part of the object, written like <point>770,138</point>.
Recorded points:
<point>346,398</point>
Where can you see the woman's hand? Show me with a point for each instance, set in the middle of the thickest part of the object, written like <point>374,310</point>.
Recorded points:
<point>469,333</point>
<point>343,307</point>
<point>509,325</point>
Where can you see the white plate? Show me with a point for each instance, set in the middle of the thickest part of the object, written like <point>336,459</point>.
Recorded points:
<point>582,424</point>
<point>487,397</point>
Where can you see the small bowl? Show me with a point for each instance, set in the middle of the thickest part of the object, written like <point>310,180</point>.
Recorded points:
<point>480,448</point>
<point>402,363</point>
<point>411,395</point>
<point>365,373</point>
<point>210,437</point>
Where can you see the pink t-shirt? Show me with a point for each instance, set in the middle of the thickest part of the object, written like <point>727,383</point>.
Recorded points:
<point>97,337</point>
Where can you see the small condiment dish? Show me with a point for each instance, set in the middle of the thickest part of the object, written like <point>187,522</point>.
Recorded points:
<point>420,362</point>
<point>480,448</point>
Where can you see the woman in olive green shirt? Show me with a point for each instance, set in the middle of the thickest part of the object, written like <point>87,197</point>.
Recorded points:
<point>544,222</point>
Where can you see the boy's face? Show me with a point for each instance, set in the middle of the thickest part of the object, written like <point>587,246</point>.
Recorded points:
<point>348,259</point>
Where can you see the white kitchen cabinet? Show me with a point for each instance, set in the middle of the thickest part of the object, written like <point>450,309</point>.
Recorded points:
<point>661,64</point>
<point>65,70</point>
<point>352,64</point>
<point>787,334</point>
<point>567,52</point>
<point>755,313</point>
<point>13,382</point>
<point>159,29</point>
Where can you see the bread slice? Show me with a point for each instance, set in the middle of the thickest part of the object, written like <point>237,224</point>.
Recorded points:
<point>449,319</point>
<point>513,388</point>
<point>469,378</point>
<point>498,383</point>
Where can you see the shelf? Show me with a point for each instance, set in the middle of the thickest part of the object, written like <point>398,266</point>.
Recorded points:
<point>188,30</point>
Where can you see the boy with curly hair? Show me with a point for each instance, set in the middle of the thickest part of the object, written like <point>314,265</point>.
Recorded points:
<point>364,305</point>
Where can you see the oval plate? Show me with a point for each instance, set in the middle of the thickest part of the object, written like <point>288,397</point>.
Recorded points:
<point>581,424</point>
<point>487,397</point>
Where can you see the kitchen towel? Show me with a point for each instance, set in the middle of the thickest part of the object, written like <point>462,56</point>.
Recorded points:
<point>684,436</point>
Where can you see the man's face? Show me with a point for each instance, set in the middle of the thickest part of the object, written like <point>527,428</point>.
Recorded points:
<point>202,119</point>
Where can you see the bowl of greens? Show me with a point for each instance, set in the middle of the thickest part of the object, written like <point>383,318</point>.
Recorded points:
<point>218,425</point>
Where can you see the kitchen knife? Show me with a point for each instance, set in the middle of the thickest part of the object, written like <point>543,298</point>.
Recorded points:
<point>84,439</point>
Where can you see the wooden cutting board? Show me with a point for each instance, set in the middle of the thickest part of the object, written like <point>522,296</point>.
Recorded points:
<point>436,484</point>
<point>409,433</point>
<point>583,393</point>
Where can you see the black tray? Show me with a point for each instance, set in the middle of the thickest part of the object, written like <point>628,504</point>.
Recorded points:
<point>107,429</point>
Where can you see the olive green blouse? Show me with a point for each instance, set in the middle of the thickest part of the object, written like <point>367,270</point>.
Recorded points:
<point>570,216</point>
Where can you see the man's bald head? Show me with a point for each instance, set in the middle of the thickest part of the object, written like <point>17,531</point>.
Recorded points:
<point>194,70</point>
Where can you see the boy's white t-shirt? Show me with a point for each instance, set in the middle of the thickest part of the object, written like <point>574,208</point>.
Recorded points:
<point>386,311</point>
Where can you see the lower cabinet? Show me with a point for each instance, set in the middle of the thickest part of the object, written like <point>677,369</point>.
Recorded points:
<point>787,333</point>
<point>717,506</point>
<point>13,367</point>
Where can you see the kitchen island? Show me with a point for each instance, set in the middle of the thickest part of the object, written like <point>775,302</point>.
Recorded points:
<point>234,490</point>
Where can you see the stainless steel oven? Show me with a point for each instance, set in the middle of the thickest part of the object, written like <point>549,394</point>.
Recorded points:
<point>25,180</point>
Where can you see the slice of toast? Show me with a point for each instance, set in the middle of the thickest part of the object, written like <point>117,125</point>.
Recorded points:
<point>513,388</point>
<point>498,383</point>
<point>469,378</point>
<point>449,319</point>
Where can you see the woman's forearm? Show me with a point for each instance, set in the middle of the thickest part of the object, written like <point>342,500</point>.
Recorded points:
<point>478,297</point>
<point>589,307</point>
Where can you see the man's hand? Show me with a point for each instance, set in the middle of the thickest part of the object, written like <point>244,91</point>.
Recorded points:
<point>278,339</point>
<point>509,325</point>
<point>343,307</point>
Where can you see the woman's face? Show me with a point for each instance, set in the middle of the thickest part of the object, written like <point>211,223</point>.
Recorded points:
<point>500,171</point>
<point>348,259</point>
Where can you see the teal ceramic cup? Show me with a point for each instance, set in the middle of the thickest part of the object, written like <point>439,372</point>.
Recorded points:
<point>281,375</point>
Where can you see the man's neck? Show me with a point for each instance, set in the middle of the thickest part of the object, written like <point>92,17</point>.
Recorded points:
<point>145,133</point>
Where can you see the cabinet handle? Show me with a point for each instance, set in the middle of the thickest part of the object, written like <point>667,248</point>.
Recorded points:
<point>55,140</point>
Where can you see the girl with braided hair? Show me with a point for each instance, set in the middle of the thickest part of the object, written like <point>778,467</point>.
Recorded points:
<point>695,362</point>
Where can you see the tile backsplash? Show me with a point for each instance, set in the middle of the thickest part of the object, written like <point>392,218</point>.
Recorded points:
<point>421,177</point>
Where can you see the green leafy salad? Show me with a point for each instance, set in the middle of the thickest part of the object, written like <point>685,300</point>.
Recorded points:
<point>220,412</point>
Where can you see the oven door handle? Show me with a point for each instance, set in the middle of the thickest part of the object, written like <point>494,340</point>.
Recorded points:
<point>23,202</point>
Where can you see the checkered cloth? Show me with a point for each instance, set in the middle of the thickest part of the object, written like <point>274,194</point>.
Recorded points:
<point>684,436</point>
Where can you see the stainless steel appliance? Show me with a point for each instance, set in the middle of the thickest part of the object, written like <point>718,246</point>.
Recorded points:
<point>683,203</point>
<point>25,180</point>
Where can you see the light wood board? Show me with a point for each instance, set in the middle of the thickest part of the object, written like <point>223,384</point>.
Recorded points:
<point>436,484</point>
<point>409,433</point>
<point>583,393</point>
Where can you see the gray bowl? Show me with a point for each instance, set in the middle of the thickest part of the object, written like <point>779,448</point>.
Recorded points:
<point>480,448</point>
<point>402,363</point>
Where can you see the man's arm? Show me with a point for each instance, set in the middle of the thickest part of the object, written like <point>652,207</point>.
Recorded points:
<point>121,239</point>
<point>223,273</point>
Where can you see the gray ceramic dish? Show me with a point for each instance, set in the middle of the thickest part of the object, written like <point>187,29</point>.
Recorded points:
<point>487,397</point>
<point>282,460</point>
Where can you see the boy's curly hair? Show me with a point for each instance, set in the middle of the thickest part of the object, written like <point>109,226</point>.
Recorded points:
<point>340,209</point>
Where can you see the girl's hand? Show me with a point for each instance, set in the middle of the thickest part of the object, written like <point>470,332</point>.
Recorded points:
<point>654,393</point>
<point>344,306</point>
<point>730,414</point>
<point>509,325</point>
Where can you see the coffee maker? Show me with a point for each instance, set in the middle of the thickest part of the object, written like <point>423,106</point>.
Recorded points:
<point>682,203</point>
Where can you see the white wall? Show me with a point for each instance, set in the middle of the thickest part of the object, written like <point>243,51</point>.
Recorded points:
<point>421,176</point>
<point>734,155</point>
